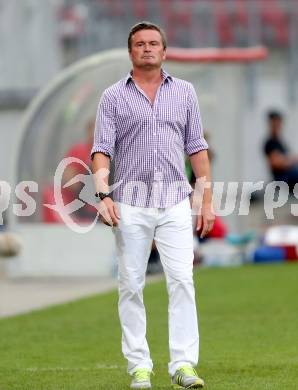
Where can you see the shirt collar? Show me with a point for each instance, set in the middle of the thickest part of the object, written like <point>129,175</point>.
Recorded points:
<point>165,76</point>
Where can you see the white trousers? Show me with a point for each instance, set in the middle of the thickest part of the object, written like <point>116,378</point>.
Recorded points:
<point>171,228</point>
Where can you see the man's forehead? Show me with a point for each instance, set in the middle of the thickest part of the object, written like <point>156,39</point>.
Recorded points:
<point>149,35</point>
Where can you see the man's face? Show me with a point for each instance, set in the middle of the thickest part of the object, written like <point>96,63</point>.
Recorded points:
<point>147,49</point>
<point>275,126</point>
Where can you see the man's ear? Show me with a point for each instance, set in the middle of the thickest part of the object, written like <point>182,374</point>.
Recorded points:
<point>164,54</point>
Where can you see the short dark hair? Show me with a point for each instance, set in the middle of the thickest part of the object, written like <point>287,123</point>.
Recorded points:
<point>146,26</point>
<point>274,114</point>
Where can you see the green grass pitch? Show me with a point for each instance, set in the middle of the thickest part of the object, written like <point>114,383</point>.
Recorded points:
<point>248,330</point>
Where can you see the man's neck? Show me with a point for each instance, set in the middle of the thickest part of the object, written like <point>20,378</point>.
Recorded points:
<point>147,76</point>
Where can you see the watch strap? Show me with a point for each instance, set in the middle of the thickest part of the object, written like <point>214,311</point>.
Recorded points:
<point>101,195</point>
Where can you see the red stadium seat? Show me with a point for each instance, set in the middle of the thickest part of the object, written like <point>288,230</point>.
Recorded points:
<point>272,15</point>
<point>222,22</point>
<point>140,9</point>
<point>174,15</point>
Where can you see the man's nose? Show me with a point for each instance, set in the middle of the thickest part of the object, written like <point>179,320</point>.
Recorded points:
<point>147,47</point>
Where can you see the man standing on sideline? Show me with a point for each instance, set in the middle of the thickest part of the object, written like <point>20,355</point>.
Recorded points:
<point>145,123</point>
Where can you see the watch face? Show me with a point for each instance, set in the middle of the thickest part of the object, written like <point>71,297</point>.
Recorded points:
<point>100,196</point>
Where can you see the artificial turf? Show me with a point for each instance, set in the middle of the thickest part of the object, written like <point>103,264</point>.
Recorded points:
<point>248,330</point>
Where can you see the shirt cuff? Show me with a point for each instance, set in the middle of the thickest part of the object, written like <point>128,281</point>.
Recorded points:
<point>196,146</point>
<point>105,149</point>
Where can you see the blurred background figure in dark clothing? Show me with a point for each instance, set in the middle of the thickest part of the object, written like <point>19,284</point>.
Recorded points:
<point>283,165</point>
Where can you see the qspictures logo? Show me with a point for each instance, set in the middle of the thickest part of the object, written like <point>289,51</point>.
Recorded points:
<point>228,198</point>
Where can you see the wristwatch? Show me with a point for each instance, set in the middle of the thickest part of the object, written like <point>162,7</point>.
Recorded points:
<point>101,195</point>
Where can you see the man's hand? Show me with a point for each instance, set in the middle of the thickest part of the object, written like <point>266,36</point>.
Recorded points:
<point>205,220</point>
<point>108,211</point>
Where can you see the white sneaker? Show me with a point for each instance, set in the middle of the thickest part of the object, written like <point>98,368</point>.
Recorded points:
<point>187,377</point>
<point>141,379</point>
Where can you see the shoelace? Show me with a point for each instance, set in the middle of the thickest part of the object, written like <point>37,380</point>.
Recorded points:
<point>142,374</point>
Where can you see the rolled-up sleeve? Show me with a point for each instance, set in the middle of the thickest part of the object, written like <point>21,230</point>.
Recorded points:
<point>194,137</point>
<point>105,131</point>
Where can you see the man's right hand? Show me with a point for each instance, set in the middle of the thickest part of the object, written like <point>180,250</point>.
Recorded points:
<point>108,212</point>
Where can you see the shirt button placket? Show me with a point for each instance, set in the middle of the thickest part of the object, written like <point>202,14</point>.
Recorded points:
<point>155,160</point>
<point>154,140</point>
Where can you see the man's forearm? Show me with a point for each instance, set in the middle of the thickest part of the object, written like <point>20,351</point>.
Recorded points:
<point>201,168</point>
<point>100,168</point>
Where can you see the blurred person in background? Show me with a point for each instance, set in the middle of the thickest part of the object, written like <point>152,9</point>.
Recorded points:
<point>144,123</point>
<point>81,151</point>
<point>283,165</point>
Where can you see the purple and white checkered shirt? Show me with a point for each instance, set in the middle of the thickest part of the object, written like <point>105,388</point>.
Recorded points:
<point>147,143</point>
